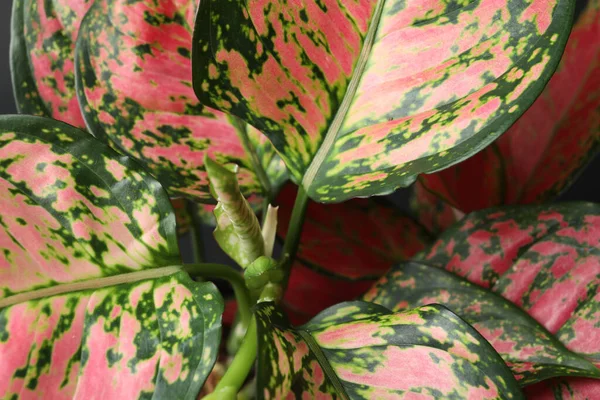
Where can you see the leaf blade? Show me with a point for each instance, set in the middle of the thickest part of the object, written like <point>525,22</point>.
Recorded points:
<point>363,332</point>
<point>294,80</point>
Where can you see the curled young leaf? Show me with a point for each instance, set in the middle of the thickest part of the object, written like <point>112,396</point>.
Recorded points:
<point>42,54</point>
<point>133,72</point>
<point>343,249</point>
<point>361,97</point>
<point>543,152</point>
<point>238,230</point>
<point>92,301</point>
<point>544,259</point>
<point>359,350</point>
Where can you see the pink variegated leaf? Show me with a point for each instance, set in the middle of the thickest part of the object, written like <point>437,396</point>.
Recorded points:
<point>344,248</point>
<point>359,97</point>
<point>133,75</point>
<point>359,350</point>
<point>93,300</point>
<point>531,351</point>
<point>545,260</point>
<point>42,57</point>
<point>543,152</point>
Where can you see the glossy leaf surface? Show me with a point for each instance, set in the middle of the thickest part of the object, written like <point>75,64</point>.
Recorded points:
<point>134,85</point>
<point>532,352</point>
<point>359,350</point>
<point>91,303</point>
<point>73,209</point>
<point>42,57</point>
<point>360,97</point>
<point>343,249</point>
<point>545,260</point>
<point>542,153</point>
<point>151,338</point>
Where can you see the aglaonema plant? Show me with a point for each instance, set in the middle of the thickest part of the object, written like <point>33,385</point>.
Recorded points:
<point>152,118</point>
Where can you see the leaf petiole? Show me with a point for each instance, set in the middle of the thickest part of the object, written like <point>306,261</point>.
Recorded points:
<point>219,271</point>
<point>239,369</point>
<point>290,247</point>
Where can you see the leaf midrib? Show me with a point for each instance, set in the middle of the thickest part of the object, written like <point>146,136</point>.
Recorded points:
<point>342,111</point>
<point>90,284</point>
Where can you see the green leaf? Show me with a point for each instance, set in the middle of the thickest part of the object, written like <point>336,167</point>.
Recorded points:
<point>359,350</point>
<point>532,352</point>
<point>238,230</point>
<point>92,300</point>
<point>133,75</point>
<point>360,97</point>
<point>43,38</point>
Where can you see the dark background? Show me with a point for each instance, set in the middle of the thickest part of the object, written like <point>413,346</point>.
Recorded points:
<point>586,188</point>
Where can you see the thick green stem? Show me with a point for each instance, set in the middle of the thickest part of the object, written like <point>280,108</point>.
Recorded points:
<point>236,280</point>
<point>292,239</point>
<point>239,369</point>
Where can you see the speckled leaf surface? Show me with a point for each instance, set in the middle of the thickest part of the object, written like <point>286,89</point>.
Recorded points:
<point>73,209</point>
<point>133,72</point>
<point>42,54</point>
<point>359,350</point>
<point>544,259</point>
<point>542,153</point>
<point>343,249</point>
<point>150,339</point>
<point>360,97</point>
<point>92,304</point>
<point>532,352</point>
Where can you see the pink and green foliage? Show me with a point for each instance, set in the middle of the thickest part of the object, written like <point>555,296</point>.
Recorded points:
<point>165,128</point>
<point>544,260</point>
<point>134,86</point>
<point>42,57</point>
<point>92,301</point>
<point>359,350</point>
<point>343,249</point>
<point>360,97</point>
<point>542,153</point>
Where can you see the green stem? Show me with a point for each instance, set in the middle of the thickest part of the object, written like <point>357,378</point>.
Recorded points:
<point>196,235</point>
<point>292,238</point>
<point>239,368</point>
<point>236,280</point>
<point>260,172</point>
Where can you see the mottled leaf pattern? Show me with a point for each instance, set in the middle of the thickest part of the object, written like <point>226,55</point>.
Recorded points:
<point>530,350</point>
<point>134,85</point>
<point>546,260</point>
<point>343,249</point>
<point>360,97</point>
<point>543,152</point>
<point>149,339</point>
<point>73,209</point>
<point>74,213</point>
<point>360,350</point>
<point>42,53</point>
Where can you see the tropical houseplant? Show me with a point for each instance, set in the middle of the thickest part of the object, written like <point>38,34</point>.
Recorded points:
<point>143,120</point>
